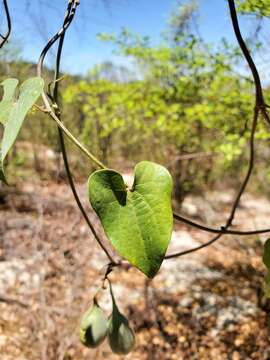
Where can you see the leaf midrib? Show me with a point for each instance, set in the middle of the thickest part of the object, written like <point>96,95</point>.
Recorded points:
<point>152,216</point>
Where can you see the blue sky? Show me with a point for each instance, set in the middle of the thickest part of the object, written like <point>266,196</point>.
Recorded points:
<point>34,22</point>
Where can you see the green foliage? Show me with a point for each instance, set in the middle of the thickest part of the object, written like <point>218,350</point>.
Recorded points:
<point>258,7</point>
<point>178,98</point>
<point>137,221</point>
<point>184,97</point>
<point>13,111</point>
<point>188,99</point>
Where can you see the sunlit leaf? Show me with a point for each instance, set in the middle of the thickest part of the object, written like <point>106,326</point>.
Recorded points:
<point>13,111</point>
<point>9,87</point>
<point>137,221</point>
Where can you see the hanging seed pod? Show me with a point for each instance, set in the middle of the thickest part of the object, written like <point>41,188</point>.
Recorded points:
<point>121,336</point>
<point>93,329</point>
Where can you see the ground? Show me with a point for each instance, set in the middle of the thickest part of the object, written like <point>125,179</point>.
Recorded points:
<point>206,306</point>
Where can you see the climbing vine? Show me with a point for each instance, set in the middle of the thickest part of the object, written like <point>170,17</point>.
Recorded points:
<point>137,220</point>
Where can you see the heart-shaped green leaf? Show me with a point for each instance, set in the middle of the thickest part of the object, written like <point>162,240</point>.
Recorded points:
<point>138,221</point>
<point>13,111</point>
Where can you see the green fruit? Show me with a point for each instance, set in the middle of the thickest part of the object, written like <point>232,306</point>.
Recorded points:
<point>121,336</point>
<point>93,329</point>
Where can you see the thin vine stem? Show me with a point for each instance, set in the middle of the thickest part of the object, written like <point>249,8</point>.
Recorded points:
<point>4,38</point>
<point>242,44</point>
<point>260,101</point>
<point>48,108</point>
<point>62,142</point>
<point>52,114</point>
<point>222,229</point>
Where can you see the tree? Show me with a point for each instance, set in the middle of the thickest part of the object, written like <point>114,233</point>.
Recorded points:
<point>257,7</point>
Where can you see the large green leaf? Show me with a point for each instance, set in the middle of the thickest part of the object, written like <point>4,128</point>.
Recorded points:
<point>137,221</point>
<point>13,111</point>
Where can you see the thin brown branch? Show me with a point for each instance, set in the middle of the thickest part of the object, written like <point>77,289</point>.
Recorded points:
<point>185,252</point>
<point>48,108</point>
<point>250,167</point>
<point>12,300</point>
<point>246,53</point>
<point>222,229</point>
<point>260,101</point>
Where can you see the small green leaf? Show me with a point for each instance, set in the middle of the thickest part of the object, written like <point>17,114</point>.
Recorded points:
<point>13,112</point>
<point>137,221</point>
